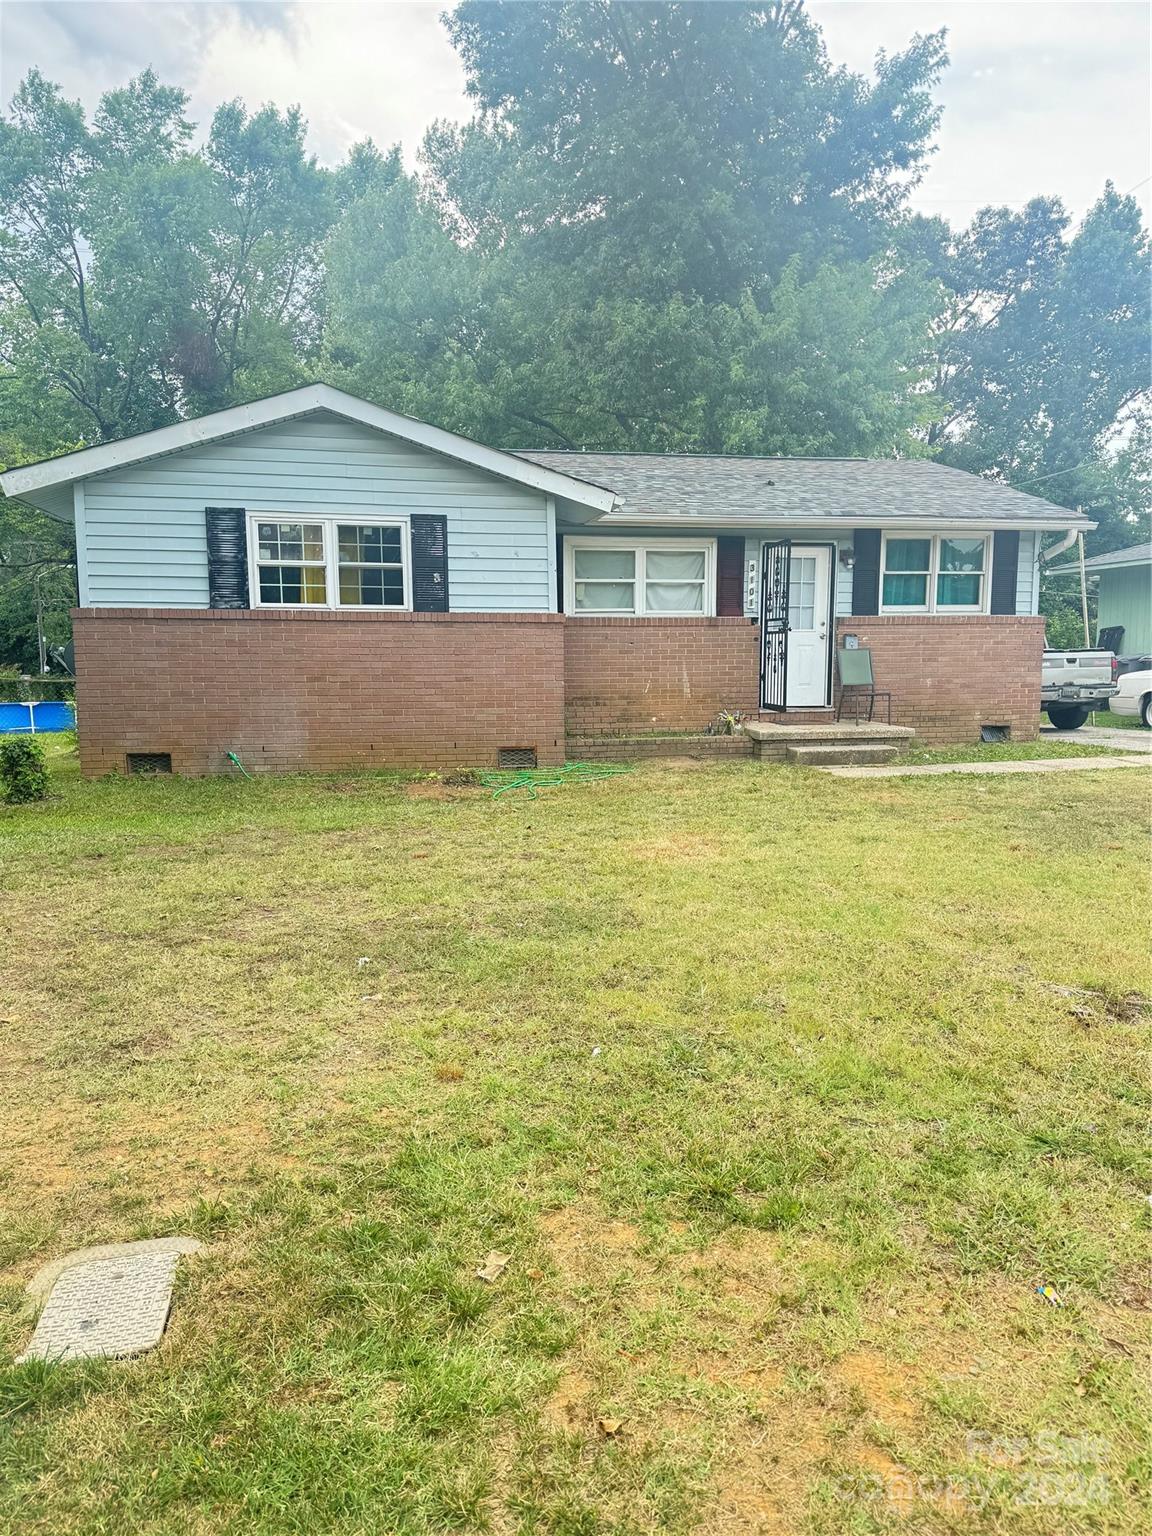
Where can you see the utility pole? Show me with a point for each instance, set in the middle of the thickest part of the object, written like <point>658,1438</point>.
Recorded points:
<point>1083,589</point>
<point>41,641</point>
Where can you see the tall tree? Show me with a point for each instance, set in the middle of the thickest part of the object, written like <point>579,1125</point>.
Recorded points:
<point>100,231</point>
<point>257,317</point>
<point>670,227</point>
<point>495,344</point>
<point>140,280</point>
<point>692,145</point>
<point>1041,352</point>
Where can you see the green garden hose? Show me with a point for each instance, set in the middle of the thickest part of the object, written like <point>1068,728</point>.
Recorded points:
<point>535,779</point>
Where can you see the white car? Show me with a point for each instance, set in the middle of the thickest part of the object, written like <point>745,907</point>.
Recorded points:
<point>1134,696</point>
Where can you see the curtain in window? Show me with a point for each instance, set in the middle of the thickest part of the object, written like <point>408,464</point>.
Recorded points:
<point>674,580</point>
<point>906,566</point>
<point>960,579</point>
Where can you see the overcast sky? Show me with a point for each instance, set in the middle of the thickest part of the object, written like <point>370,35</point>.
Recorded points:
<point>1042,96</point>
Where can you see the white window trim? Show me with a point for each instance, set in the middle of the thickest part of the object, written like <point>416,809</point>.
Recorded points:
<point>705,547</point>
<point>328,521</point>
<point>932,606</point>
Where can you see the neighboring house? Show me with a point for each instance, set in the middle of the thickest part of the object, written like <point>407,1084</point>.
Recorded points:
<point>1123,598</point>
<point>311,581</point>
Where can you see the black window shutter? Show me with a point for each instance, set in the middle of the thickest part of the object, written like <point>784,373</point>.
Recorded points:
<point>559,573</point>
<point>730,576</point>
<point>1005,561</point>
<point>429,563</point>
<point>866,571</point>
<point>227,557</point>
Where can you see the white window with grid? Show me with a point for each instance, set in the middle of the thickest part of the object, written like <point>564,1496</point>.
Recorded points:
<point>802,592</point>
<point>329,561</point>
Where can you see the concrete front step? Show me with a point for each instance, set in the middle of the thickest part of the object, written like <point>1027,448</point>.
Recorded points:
<point>778,743</point>
<point>834,730</point>
<point>833,755</point>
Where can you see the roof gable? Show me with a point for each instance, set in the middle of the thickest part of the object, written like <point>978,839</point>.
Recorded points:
<point>35,482</point>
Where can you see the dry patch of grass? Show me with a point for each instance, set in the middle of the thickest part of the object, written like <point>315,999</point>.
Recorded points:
<point>170,1154</point>
<point>783,1094</point>
<point>691,1346</point>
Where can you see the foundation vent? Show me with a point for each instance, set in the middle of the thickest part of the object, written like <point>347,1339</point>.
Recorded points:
<point>149,762</point>
<point>516,757</point>
<point>995,732</point>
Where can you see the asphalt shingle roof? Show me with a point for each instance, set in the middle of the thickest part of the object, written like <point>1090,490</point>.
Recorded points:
<point>1135,554</point>
<point>720,489</point>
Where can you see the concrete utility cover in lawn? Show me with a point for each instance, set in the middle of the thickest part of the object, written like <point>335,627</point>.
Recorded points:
<point>109,1301</point>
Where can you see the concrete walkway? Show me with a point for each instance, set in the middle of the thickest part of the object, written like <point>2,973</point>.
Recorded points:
<point>1031,765</point>
<point>1114,736</point>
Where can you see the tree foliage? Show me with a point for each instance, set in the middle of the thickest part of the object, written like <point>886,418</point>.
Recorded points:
<point>1041,352</point>
<point>140,280</point>
<point>667,227</point>
<point>682,146</point>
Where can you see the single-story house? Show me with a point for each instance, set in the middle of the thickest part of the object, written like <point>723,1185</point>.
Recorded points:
<point>1123,598</point>
<point>312,581</point>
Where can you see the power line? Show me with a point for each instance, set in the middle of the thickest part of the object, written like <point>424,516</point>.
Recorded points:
<point>1019,484</point>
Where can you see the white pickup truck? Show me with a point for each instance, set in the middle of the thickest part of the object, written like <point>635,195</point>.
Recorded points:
<point>1074,683</point>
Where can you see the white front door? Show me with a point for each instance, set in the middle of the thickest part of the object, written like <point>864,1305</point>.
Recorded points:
<point>809,624</point>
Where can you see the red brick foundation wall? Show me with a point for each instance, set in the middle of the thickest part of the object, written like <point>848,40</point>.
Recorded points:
<point>307,691</point>
<point>950,676</point>
<point>293,691</point>
<point>623,676</point>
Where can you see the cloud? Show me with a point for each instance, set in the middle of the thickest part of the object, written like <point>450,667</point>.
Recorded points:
<point>1042,97</point>
<point>382,70</point>
<point>91,44</point>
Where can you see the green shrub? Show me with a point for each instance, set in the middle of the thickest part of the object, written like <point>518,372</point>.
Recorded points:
<point>23,772</point>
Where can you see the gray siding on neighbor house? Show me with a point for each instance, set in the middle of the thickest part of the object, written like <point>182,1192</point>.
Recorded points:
<point>143,540</point>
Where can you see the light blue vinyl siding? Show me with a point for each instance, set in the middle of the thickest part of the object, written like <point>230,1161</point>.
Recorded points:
<point>754,544</point>
<point>1027,582</point>
<point>1027,571</point>
<point>144,542</point>
<point>1028,574</point>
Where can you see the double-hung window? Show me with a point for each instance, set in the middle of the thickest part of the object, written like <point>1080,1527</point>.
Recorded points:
<point>657,578</point>
<point>942,574</point>
<point>329,562</point>
<point>960,574</point>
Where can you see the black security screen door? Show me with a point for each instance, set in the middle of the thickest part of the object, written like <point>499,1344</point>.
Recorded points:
<point>774,625</point>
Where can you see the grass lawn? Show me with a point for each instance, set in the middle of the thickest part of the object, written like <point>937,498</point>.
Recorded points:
<point>770,1083</point>
<point>1106,718</point>
<point>1005,752</point>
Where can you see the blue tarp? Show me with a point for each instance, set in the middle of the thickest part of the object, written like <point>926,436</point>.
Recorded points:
<point>26,719</point>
